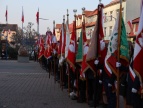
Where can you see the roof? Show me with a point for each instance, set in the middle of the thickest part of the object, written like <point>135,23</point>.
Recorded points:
<point>6,27</point>
<point>58,26</point>
<point>95,12</point>
<point>87,12</point>
<point>86,25</point>
<point>113,2</point>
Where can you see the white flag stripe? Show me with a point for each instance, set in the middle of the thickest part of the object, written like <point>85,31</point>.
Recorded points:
<point>132,72</point>
<point>67,40</point>
<point>140,23</point>
<point>113,46</point>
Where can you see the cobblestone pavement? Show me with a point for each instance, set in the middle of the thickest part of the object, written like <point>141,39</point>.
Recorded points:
<point>27,85</point>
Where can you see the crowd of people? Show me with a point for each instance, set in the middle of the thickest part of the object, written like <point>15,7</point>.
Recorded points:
<point>91,80</point>
<point>97,88</point>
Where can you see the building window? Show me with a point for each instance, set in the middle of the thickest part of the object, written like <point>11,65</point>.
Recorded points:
<point>111,13</point>
<point>117,12</point>
<point>110,31</point>
<point>105,31</point>
<point>105,17</point>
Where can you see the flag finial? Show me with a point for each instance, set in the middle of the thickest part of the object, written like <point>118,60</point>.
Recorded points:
<point>63,17</point>
<point>54,22</point>
<point>48,29</point>
<point>67,12</point>
<point>74,11</point>
<point>83,9</point>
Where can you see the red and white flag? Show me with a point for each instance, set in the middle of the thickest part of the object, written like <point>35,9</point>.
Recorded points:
<point>138,50</point>
<point>84,65</point>
<point>61,46</point>
<point>48,48</point>
<point>6,14</point>
<point>22,18</point>
<point>41,41</point>
<point>71,56</point>
<point>67,40</point>
<point>131,71</point>
<point>63,39</point>
<point>54,39</point>
<point>41,47</point>
<point>97,36</point>
<point>41,50</point>
<point>37,16</point>
<point>130,24</point>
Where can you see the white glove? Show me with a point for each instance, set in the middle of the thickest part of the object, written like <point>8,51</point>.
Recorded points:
<point>118,64</point>
<point>102,45</point>
<point>54,51</point>
<point>96,62</point>
<point>109,85</point>
<point>100,71</point>
<point>134,90</point>
<point>100,82</point>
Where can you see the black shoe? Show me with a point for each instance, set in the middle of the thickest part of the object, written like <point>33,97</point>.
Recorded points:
<point>80,100</point>
<point>92,105</point>
<point>73,98</point>
<point>90,102</point>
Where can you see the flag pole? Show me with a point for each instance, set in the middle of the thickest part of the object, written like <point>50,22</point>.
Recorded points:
<point>6,15</point>
<point>54,54</point>
<point>77,77</point>
<point>38,24</point>
<point>62,78</point>
<point>22,24</point>
<point>67,63</point>
<point>118,56</point>
<point>83,23</point>
<point>37,19</point>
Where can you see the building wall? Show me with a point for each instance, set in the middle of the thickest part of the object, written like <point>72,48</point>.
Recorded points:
<point>8,34</point>
<point>107,22</point>
<point>57,33</point>
<point>132,10</point>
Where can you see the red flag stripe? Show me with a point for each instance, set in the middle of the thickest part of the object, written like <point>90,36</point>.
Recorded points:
<point>22,19</point>
<point>6,14</point>
<point>37,16</point>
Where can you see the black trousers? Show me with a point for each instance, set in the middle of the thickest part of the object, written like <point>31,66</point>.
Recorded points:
<point>111,96</point>
<point>82,89</point>
<point>97,91</point>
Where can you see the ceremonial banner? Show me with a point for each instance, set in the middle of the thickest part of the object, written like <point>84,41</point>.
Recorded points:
<point>6,14</point>
<point>71,57</point>
<point>94,47</point>
<point>67,40</point>
<point>111,57</point>
<point>37,16</point>
<point>79,55</point>
<point>138,49</point>
<point>48,50</point>
<point>22,18</point>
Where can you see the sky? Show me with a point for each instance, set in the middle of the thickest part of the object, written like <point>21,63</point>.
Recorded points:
<point>48,9</point>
